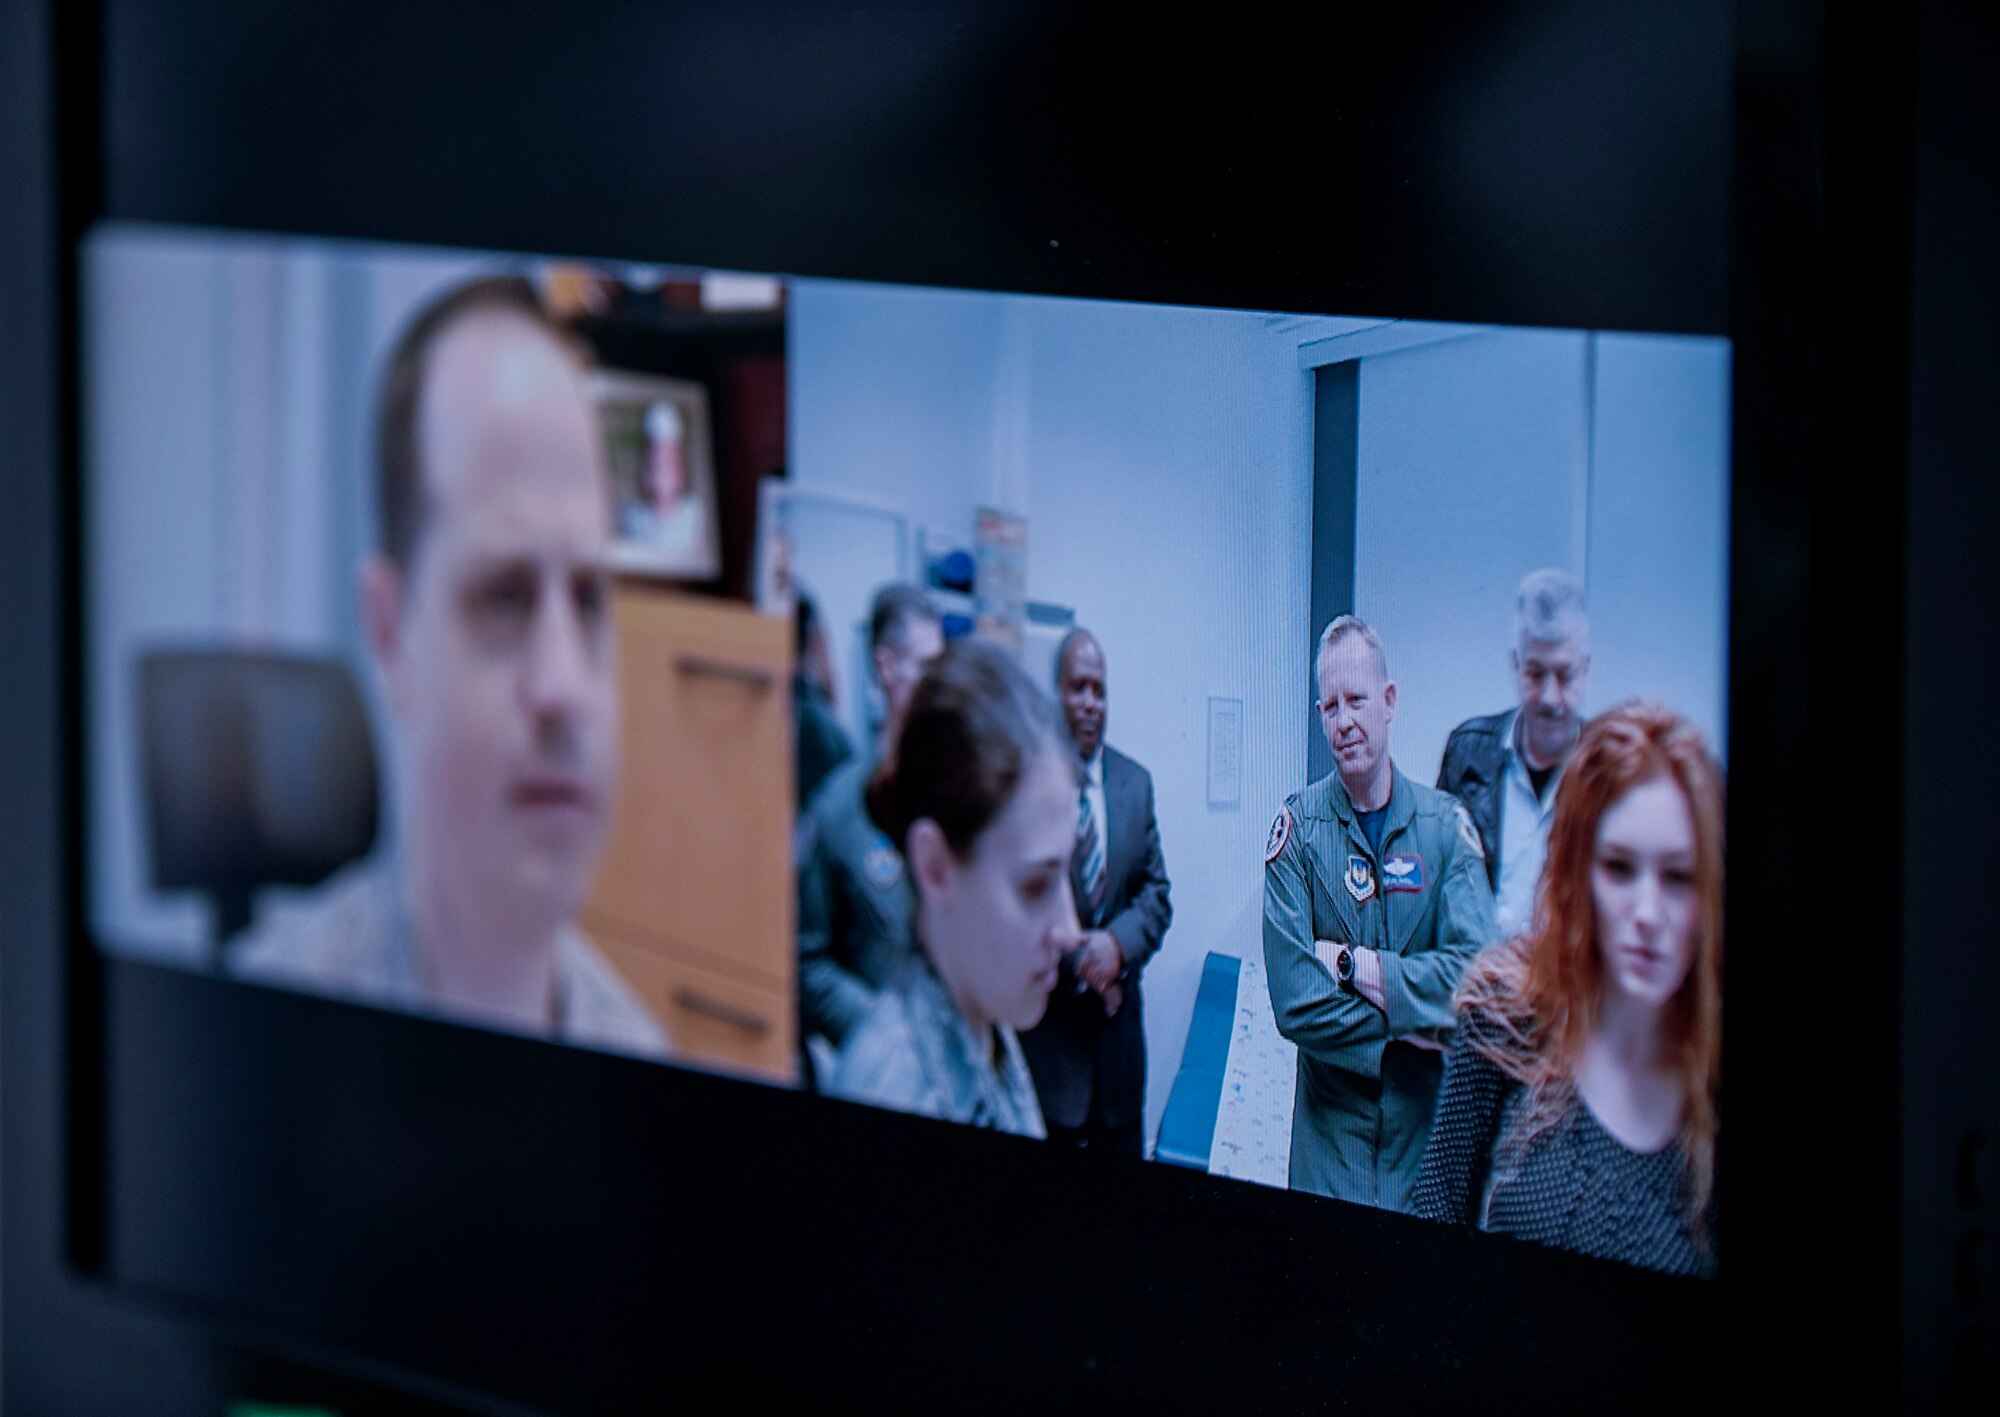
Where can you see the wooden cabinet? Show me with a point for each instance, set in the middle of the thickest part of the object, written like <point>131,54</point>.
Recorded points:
<point>694,903</point>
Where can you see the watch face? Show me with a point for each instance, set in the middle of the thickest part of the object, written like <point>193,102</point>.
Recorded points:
<point>1343,965</point>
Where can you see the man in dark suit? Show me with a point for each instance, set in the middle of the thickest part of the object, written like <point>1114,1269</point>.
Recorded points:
<point>1088,1054</point>
<point>1504,766</point>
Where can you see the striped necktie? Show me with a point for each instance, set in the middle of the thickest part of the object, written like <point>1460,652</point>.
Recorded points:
<point>1089,857</point>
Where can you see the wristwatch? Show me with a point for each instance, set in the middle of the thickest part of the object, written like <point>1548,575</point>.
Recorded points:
<point>1343,966</point>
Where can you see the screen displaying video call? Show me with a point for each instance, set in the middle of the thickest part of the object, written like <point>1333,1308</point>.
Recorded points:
<point>1287,746</point>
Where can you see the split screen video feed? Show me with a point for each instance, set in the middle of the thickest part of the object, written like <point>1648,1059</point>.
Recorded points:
<point>1284,745</point>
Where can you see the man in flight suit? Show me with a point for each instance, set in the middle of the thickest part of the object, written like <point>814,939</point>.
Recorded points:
<point>854,900</point>
<point>1375,897</point>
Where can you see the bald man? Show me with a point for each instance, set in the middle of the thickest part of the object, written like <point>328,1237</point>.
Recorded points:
<point>487,608</point>
<point>1088,1054</point>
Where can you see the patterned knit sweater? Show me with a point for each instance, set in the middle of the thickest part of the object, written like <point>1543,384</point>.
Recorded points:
<point>1574,1186</point>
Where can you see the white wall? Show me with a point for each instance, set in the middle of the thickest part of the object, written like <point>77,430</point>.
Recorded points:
<point>1163,458</point>
<point>892,398</point>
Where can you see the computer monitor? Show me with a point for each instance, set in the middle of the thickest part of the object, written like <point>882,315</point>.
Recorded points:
<point>1091,345</point>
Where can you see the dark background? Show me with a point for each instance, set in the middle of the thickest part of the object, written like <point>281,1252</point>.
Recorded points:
<point>211,1191</point>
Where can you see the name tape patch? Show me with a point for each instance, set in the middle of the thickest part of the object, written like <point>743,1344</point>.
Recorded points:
<point>1403,873</point>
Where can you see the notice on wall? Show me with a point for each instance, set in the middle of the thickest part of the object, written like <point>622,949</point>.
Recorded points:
<point>1225,752</point>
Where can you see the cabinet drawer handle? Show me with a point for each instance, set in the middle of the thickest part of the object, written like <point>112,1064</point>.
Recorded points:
<point>723,1013</point>
<point>700,666</point>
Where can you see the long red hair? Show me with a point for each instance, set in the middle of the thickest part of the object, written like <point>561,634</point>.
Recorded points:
<point>1533,1002</point>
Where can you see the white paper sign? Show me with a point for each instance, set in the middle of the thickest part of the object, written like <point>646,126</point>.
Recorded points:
<point>1225,752</point>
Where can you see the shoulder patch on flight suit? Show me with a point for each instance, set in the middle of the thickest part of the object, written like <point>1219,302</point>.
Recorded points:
<point>883,865</point>
<point>1281,832</point>
<point>1360,878</point>
<point>1468,831</point>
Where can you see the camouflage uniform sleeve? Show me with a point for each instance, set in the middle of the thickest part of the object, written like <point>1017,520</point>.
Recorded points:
<point>879,1064</point>
<point>832,998</point>
<point>1417,988</point>
<point>1311,1009</point>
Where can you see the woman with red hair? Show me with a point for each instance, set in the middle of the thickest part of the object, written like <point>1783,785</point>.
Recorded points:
<point>1579,1101</point>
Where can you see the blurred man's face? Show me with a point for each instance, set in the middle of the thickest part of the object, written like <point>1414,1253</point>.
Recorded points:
<point>898,667</point>
<point>1084,704</point>
<point>1551,676</point>
<point>496,643</point>
<point>1356,704</point>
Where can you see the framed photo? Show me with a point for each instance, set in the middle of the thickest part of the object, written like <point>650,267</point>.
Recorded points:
<point>657,441</point>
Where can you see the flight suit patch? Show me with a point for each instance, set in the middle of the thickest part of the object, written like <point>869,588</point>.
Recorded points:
<point>1403,873</point>
<point>1281,832</point>
<point>1360,878</point>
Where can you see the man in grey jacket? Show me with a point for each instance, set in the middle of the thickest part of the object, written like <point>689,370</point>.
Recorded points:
<point>1505,766</point>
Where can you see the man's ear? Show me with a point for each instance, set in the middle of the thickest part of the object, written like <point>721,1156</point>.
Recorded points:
<point>381,591</point>
<point>882,657</point>
<point>931,862</point>
<point>1389,699</point>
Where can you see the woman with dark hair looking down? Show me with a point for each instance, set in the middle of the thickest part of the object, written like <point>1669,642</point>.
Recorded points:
<point>1579,1101</point>
<point>979,795</point>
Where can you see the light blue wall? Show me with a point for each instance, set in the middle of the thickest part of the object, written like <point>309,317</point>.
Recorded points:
<point>1659,516</point>
<point>1472,456</point>
<point>1485,457</point>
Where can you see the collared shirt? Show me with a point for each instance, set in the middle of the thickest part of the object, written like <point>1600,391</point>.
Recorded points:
<point>1093,793</point>
<point>350,938</point>
<point>915,1052</point>
<point>1524,837</point>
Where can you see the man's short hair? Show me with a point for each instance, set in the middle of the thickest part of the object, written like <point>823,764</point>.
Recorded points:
<point>400,498</point>
<point>1348,627</point>
<point>1548,608</point>
<point>1069,642</point>
<point>894,610</point>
